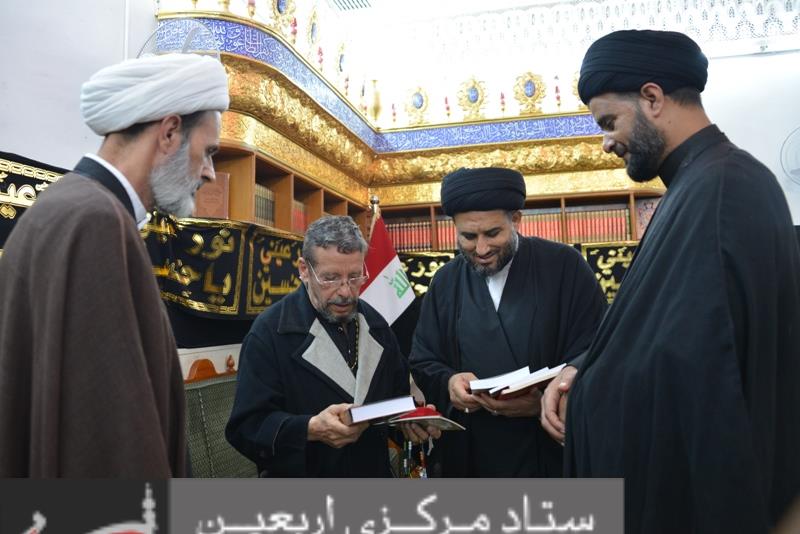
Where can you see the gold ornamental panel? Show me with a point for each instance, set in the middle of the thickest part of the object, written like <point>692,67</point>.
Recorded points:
<point>550,184</point>
<point>574,183</point>
<point>533,157</point>
<point>401,195</point>
<point>263,92</point>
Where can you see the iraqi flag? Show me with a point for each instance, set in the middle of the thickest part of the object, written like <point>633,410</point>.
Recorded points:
<point>387,289</point>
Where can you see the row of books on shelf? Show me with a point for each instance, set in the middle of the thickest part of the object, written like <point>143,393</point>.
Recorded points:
<point>264,206</point>
<point>411,235</point>
<point>575,224</point>
<point>544,223</point>
<point>299,217</point>
<point>591,225</point>
<point>582,224</point>
<point>446,230</point>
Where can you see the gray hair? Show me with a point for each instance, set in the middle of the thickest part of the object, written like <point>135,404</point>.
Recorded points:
<point>340,231</point>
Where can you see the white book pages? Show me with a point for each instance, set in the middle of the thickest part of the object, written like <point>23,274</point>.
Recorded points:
<point>541,375</point>
<point>382,409</point>
<point>506,379</point>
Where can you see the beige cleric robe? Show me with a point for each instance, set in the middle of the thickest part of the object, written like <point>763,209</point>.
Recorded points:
<point>90,383</point>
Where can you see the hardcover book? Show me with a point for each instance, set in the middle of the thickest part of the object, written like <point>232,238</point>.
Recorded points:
<point>376,411</point>
<point>525,384</point>
<point>426,416</point>
<point>486,384</point>
<point>211,200</point>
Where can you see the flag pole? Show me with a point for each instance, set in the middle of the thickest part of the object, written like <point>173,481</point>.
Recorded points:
<point>376,212</point>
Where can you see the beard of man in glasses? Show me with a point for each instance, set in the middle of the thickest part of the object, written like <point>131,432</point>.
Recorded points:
<point>311,356</point>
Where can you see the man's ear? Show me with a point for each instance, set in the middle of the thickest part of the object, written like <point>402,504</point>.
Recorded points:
<point>654,100</point>
<point>516,219</point>
<point>169,134</point>
<point>302,267</point>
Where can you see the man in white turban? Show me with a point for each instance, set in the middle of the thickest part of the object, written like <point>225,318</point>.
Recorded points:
<point>90,384</point>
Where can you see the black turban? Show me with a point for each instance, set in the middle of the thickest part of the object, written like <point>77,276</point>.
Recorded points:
<point>486,189</point>
<point>623,61</point>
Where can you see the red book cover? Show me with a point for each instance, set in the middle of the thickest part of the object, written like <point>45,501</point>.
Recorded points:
<point>426,416</point>
<point>572,228</point>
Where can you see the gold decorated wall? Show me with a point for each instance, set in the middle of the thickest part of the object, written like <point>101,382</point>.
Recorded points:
<point>273,115</point>
<point>532,157</point>
<point>289,105</point>
<point>264,93</point>
<point>539,185</point>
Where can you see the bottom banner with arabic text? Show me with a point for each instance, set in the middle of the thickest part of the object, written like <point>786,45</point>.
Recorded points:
<point>397,506</point>
<point>332,506</point>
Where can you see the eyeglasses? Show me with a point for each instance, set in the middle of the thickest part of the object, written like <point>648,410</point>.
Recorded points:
<point>337,282</point>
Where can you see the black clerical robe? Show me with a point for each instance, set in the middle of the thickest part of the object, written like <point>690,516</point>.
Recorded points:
<point>290,370</point>
<point>690,389</point>
<point>90,383</point>
<point>549,310</point>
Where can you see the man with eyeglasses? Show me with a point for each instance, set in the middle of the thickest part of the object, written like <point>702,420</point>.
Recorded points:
<point>308,358</point>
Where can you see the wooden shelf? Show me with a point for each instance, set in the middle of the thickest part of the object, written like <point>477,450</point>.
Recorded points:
<point>333,204</point>
<point>241,166</point>
<point>247,168</point>
<point>361,216</point>
<point>432,231</point>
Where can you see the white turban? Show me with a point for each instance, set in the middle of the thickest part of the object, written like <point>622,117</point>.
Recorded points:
<point>150,88</point>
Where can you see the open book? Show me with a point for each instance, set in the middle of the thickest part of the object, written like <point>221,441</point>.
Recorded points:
<point>486,384</point>
<point>378,410</point>
<point>520,387</point>
<point>515,383</point>
<point>396,411</point>
<point>426,416</point>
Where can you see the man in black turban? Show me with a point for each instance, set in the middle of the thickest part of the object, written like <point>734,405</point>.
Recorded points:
<point>482,190</point>
<point>689,390</point>
<point>505,302</point>
<point>624,61</point>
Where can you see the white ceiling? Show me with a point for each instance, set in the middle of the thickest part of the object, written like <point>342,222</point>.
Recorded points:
<point>401,11</point>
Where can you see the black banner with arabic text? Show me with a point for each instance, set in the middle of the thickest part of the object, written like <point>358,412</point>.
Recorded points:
<point>220,268</point>
<point>610,262</point>
<point>227,269</point>
<point>21,181</point>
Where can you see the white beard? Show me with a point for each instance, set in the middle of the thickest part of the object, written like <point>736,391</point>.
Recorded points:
<point>173,188</point>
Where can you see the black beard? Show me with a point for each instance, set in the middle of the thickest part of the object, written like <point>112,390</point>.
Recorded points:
<point>646,146</point>
<point>504,256</point>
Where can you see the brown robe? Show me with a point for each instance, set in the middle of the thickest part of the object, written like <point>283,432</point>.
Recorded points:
<point>90,383</point>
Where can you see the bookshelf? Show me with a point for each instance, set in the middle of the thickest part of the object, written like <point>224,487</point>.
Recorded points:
<point>262,191</point>
<point>574,218</point>
<point>333,204</point>
<point>412,228</point>
<point>361,216</point>
<point>241,167</point>
<point>294,201</point>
